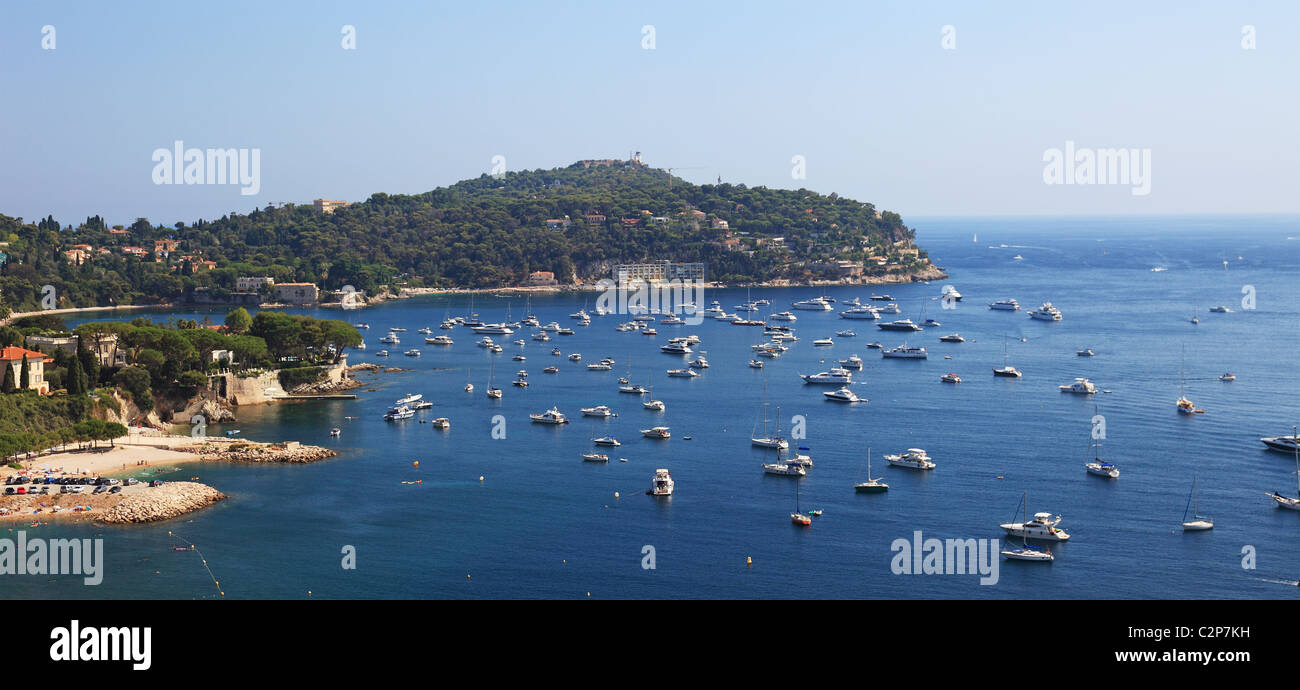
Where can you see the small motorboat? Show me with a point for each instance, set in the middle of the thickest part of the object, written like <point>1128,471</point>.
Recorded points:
<point>952,338</point>
<point>950,378</point>
<point>1229,376</point>
<point>846,333</point>
<point>595,457</point>
<point>336,432</point>
<point>441,423</point>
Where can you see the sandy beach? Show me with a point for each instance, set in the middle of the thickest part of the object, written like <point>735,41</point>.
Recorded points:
<point>138,455</point>
<point>129,454</point>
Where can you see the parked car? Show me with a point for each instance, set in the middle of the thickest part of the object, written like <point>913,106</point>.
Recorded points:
<point>156,482</point>
<point>115,490</point>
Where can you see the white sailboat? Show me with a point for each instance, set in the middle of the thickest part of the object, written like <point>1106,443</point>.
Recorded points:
<point>766,441</point>
<point>492,391</point>
<point>1098,466</point>
<point>1286,501</point>
<point>1025,552</point>
<point>871,486</point>
<point>1198,522</point>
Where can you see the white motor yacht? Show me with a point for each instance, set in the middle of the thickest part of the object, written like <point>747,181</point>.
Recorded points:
<point>853,362</point>
<point>676,349</point>
<point>683,373</point>
<point>1042,527</point>
<point>899,325</point>
<point>551,416</point>
<point>814,304</point>
<point>836,375</point>
<point>1047,312</point>
<point>860,313</point>
<point>905,352</point>
<point>1081,386</point>
<point>439,340</point>
<point>914,458</point>
<point>784,316</point>
<point>1005,305</point>
<point>843,395</point>
<point>656,432</point>
<point>661,484</point>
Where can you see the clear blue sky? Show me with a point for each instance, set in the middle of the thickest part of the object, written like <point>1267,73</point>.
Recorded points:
<point>863,90</point>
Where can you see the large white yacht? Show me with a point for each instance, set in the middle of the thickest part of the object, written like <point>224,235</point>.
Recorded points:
<point>408,399</point>
<point>656,432</point>
<point>814,304</point>
<point>914,458</point>
<point>784,316</point>
<point>853,362</point>
<point>439,340</point>
<point>837,375</point>
<point>905,352</point>
<point>860,312</point>
<point>677,348</point>
<point>1046,312</point>
<point>683,373</point>
<point>597,411</point>
<point>899,325</point>
<point>494,329</point>
<point>1005,305</point>
<point>662,484</point>
<point>1043,527</point>
<point>390,339</point>
<point>1081,386</point>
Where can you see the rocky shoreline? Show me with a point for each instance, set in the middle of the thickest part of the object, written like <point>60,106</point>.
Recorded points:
<point>170,500</point>
<point>247,451</point>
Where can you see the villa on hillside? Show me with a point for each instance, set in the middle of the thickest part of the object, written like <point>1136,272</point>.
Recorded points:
<point>12,358</point>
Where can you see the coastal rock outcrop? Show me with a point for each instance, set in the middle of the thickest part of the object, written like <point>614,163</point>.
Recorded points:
<point>170,500</point>
<point>240,451</point>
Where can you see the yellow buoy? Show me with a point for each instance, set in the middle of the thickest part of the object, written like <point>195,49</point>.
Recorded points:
<point>416,463</point>
<point>480,477</point>
<point>615,494</point>
<point>749,561</point>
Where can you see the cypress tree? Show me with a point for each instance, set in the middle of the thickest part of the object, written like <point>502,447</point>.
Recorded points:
<point>24,378</point>
<point>7,384</point>
<point>76,383</point>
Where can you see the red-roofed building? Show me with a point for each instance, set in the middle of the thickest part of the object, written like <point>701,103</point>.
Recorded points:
<point>11,357</point>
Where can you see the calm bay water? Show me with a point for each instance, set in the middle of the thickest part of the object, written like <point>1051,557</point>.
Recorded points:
<point>545,524</point>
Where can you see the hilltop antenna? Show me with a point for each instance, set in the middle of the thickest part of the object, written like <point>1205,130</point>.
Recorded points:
<point>670,172</point>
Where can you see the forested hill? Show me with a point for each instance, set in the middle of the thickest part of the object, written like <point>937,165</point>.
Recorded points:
<point>485,232</point>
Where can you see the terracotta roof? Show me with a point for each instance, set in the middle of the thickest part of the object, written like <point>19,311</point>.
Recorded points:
<point>13,352</point>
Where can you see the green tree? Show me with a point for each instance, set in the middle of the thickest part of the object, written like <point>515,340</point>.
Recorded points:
<point>76,378</point>
<point>238,321</point>
<point>7,385</point>
<point>24,378</point>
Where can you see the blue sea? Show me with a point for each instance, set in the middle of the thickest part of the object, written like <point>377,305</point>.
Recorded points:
<point>544,524</point>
